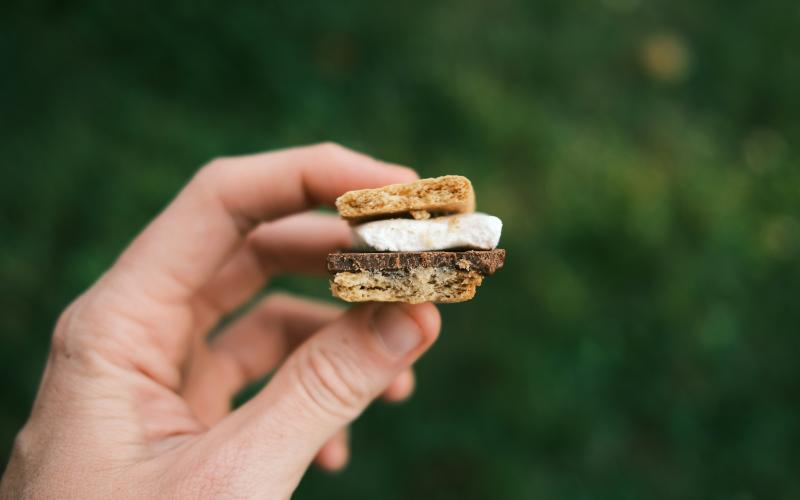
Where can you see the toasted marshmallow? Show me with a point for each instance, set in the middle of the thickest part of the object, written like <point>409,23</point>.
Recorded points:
<point>471,230</point>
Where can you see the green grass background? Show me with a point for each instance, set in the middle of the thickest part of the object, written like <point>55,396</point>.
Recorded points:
<point>642,341</point>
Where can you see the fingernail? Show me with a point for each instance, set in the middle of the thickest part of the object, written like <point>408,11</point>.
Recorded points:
<point>398,333</point>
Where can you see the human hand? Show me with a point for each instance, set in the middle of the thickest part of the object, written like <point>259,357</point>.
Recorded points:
<point>135,399</point>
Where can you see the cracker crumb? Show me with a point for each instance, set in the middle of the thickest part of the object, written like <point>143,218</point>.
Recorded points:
<point>420,214</point>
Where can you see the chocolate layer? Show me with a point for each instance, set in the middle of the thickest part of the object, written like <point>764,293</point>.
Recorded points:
<point>485,262</point>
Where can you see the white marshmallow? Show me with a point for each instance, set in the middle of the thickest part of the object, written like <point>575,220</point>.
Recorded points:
<point>472,230</point>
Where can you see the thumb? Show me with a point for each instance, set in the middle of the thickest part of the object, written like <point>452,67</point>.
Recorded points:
<point>330,379</point>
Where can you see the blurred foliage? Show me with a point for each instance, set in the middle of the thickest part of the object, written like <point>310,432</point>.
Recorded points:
<point>643,340</point>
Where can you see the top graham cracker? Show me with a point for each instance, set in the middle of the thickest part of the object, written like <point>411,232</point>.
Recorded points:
<point>449,194</point>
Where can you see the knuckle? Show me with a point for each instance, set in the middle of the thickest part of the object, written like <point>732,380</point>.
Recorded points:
<point>25,457</point>
<point>23,445</point>
<point>333,382</point>
<point>330,148</point>
<point>210,173</point>
<point>63,333</point>
<point>281,304</point>
<point>275,302</point>
<point>270,308</point>
<point>87,329</point>
<point>214,183</point>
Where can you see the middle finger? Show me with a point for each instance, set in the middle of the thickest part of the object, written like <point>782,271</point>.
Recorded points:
<point>296,244</point>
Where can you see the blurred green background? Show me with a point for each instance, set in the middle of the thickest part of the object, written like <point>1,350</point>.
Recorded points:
<point>642,341</point>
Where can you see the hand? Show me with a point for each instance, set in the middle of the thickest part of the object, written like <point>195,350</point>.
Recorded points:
<point>135,400</point>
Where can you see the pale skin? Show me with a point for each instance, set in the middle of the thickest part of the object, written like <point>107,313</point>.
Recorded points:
<point>135,400</point>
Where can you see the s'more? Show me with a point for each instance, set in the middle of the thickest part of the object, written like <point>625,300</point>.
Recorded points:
<point>415,242</point>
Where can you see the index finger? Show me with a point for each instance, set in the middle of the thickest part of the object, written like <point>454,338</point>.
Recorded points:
<point>183,247</point>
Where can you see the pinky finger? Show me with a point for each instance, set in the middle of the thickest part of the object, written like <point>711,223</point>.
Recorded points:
<point>401,388</point>
<point>334,454</point>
